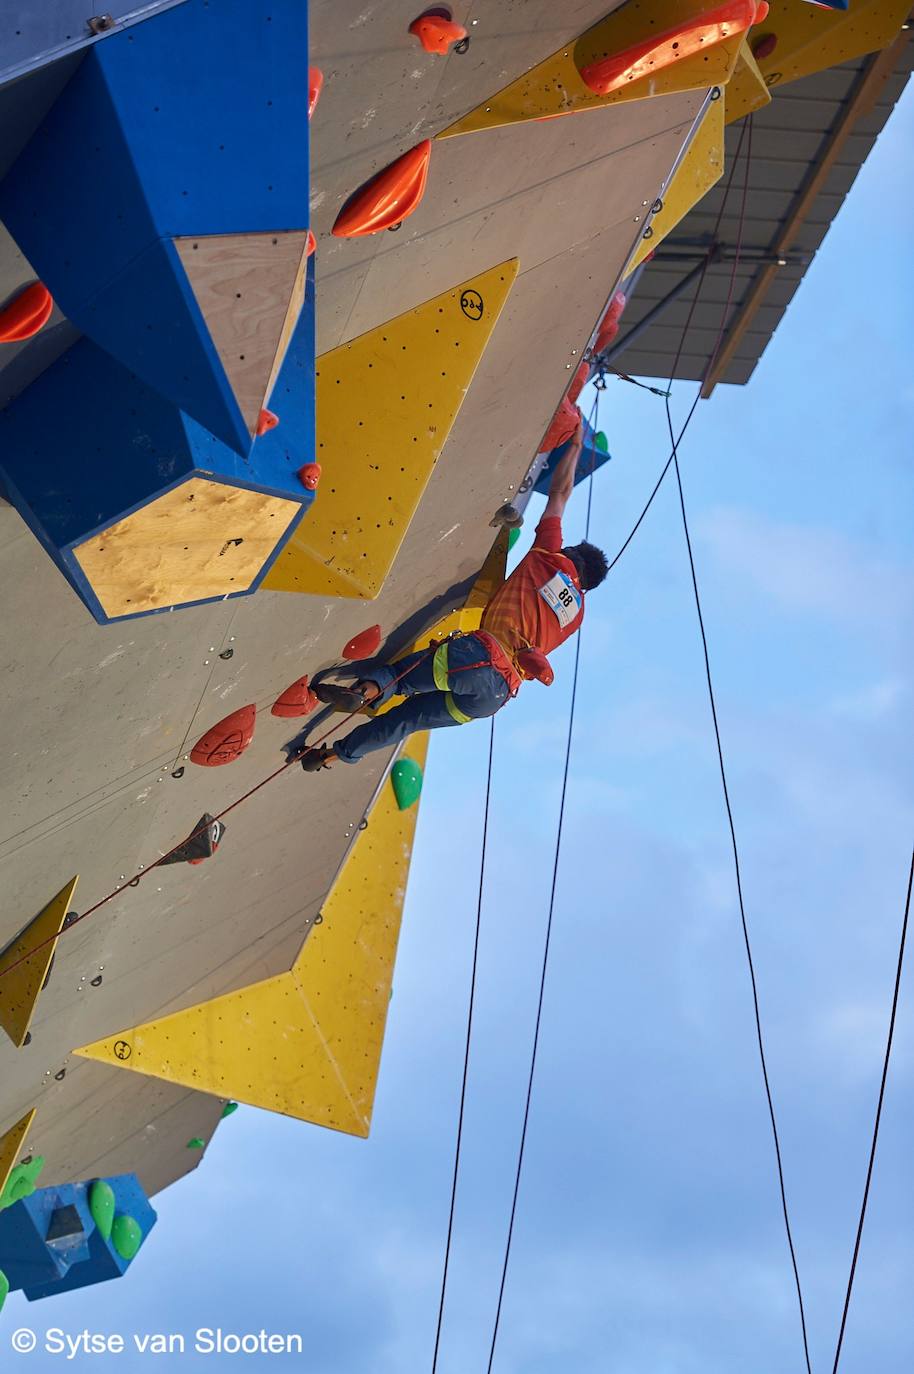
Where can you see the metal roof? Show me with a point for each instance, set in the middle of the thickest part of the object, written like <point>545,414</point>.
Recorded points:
<point>807,147</point>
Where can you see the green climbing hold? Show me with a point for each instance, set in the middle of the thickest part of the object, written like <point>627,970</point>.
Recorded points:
<point>101,1207</point>
<point>513,536</point>
<point>22,1182</point>
<point>4,1288</point>
<point>406,780</point>
<point>195,1143</point>
<point>600,441</point>
<point>228,1109</point>
<point>126,1236</point>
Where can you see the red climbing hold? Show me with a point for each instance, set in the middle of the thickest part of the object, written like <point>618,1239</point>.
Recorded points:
<point>564,423</point>
<point>310,243</point>
<point>609,325</point>
<point>388,197</point>
<point>25,315</point>
<point>315,82</point>
<point>652,55</point>
<point>224,741</point>
<point>436,32</point>
<point>310,475</point>
<point>579,382</point>
<point>266,421</point>
<point>534,664</point>
<point>296,700</point>
<point>763,47</point>
<point>364,645</point>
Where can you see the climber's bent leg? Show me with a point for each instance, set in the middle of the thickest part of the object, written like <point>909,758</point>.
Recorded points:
<point>403,678</point>
<point>423,711</point>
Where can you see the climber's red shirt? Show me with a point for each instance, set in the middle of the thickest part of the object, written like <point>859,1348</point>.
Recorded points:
<point>541,604</point>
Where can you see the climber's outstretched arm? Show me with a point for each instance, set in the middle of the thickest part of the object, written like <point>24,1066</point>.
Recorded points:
<point>562,484</point>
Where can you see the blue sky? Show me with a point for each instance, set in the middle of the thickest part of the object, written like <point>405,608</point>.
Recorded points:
<point>649,1238</point>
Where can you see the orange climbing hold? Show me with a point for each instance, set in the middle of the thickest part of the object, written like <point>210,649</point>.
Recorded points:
<point>266,421</point>
<point>651,55</point>
<point>564,423</point>
<point>25,315</point>
<point>296,700</point>
<point>310,475</point>
<point>436,33</point>
<point>315,84</point>
<point>388,197</point>
<point>609,325</point>
<point>224,741</point>
<point>310,243</point>
<point>579,382</point>
<point>364,645</point>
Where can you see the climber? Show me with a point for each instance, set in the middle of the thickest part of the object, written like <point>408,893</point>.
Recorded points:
<point>472,675</point>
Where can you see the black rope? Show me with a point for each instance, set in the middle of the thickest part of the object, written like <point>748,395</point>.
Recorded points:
<point>545,965</point>
<point>885,1072</point>
<point>466,1056</point>
<point>742,912</point>
<point>723,777</point>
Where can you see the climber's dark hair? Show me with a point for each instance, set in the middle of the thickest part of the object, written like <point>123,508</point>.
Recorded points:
<point>590,562</point>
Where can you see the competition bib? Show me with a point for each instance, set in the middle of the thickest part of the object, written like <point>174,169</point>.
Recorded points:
<point>563,598</point>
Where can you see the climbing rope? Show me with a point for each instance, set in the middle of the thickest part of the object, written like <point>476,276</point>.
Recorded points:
<point>674,458</point>
<point>201,828</point>
<point>548,939</point>
<point>885,1073</point>
<point>466,1054</point>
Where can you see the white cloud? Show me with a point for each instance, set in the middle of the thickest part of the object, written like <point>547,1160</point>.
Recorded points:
<point>872,702</point>
<point>802,568</point>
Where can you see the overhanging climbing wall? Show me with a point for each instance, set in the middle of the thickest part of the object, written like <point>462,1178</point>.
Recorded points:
<point>157,438</point>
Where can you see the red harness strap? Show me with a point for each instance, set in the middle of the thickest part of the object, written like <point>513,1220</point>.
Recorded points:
<point>497,659</point>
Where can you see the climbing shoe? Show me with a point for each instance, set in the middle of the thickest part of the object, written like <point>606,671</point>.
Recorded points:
<point>313,760</point>
<point>341,698</point>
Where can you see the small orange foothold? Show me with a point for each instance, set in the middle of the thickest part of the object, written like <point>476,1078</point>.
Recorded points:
<point>310,475</point>
<point>579,381</point>
<point>364,645</point>
<point>388,197</point>
<point>296,700</point>
<point>609,325</point>
<point>310,243</point>
<point>226,740</point>
<point>436,33</point>
<point>315,83</point>
<point>650,56</point>
<point>266,421</point>
<point>25,315</point>
<point>563,425</point>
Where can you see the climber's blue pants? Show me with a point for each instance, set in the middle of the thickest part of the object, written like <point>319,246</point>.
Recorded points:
<point>449,685</point>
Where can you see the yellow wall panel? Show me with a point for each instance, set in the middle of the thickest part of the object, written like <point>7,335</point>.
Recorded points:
<point>809,39</point>
<point>700,167</point>
<point>306,1043</point>
<point>386,402</point>
<point>11,1146</point>
<point>24,965</point>
<point>555,86</point>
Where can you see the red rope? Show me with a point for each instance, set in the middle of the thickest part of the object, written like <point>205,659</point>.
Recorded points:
<point>144,872</point>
